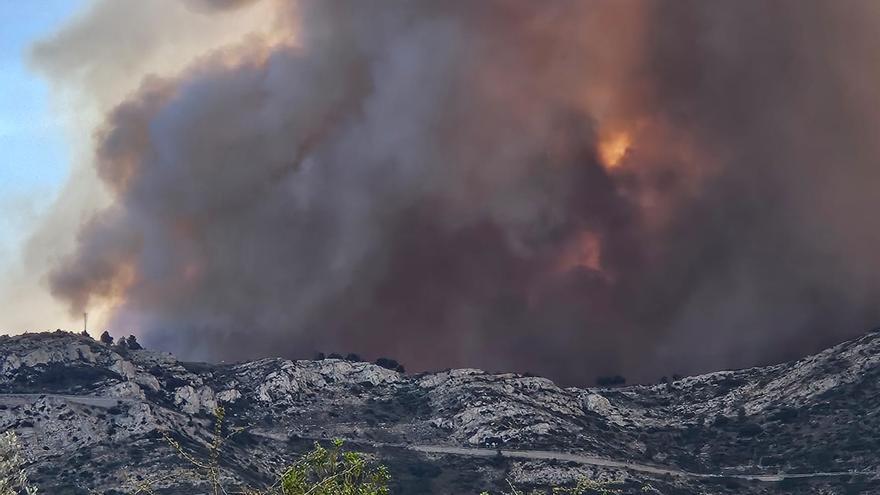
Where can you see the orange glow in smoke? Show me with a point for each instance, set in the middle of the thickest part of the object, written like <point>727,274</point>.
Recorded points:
<point>613,148</point>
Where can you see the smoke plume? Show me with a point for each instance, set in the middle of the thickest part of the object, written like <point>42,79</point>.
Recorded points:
<point>572,187</point>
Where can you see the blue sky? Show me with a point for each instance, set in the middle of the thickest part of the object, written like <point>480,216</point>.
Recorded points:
<point>34,155</point>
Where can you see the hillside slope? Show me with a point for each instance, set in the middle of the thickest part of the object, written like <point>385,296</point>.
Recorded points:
<point>92,417</point>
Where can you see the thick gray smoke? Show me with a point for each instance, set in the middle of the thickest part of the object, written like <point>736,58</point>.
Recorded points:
<point>430,181</point>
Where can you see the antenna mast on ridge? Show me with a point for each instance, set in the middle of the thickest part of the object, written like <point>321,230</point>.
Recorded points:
<point>85,323</point>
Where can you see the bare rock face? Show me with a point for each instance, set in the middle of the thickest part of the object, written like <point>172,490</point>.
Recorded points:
<point>192,401</point>
<point>480,408</point>
<point>228,396</point>
<point>95,417</point>
<point>598,404</point>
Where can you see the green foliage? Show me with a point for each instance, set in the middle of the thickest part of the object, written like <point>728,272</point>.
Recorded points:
<point>332,471</point>
<point>13,478</point>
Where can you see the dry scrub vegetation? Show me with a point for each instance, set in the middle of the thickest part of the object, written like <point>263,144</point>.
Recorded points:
<point>321,471</point>
<point>13,478</point>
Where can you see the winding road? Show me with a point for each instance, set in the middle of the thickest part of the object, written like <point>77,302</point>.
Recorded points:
<point>630,466</point>
<point>588,460</point>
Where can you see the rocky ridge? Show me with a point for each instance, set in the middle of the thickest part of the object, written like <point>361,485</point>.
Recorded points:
<point>93,419</point>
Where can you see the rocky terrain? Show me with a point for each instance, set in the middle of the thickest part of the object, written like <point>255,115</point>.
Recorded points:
<point>94,417</point>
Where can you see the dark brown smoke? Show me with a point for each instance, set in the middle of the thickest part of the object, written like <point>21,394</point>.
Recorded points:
<point>432,181</point>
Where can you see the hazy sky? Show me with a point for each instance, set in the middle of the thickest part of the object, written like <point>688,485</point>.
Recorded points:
<point>52,101</point>
<point>34,156</point>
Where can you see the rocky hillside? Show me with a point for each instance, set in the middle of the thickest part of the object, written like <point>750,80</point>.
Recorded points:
<point>93,418</point>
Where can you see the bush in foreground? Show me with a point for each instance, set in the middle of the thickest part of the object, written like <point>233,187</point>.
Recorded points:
<point>330,472</point>
<point>13,478</point>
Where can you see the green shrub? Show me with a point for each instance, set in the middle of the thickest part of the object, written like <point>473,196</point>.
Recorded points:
<point>332,471</point>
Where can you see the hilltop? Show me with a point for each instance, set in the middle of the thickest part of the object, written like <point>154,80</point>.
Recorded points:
<point>92,418</point>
